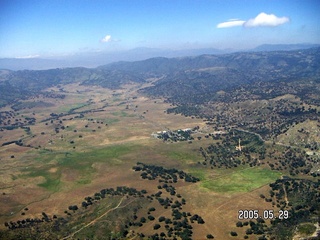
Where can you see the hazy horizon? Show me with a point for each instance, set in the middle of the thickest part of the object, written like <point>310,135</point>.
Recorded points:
<point>96,59</point>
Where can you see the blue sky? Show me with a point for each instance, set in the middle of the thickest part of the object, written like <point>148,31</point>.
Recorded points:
<point>61,27</point>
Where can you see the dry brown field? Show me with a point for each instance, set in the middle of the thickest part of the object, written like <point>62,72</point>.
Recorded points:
<point>54,169</point>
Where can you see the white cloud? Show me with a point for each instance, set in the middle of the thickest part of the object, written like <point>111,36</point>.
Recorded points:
<point>266,20</point>
<point>262,20</point>
<point>107,38</point>
<point>231,23</point>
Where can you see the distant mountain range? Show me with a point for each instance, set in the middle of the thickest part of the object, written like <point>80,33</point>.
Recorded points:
<point>179,78</point>
<point>283,47</point>
<point>95,59</point>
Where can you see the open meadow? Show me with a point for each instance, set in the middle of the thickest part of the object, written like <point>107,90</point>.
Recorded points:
<point>91,140</point>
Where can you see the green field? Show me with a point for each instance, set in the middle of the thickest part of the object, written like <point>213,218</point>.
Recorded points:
<point>70,107</point>
<point>241,180</point>
<point>51,180</point>
<point>83,160</point>
<point>52,183</point>
<point>111,120</point>
<point>122,114</point>
<point>80,162</point>
<point>183,156</point>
